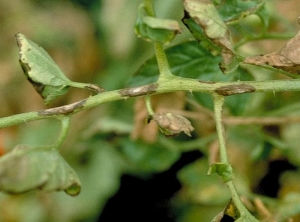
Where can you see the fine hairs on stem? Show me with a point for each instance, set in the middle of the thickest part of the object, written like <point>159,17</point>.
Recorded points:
<point>218,107</point>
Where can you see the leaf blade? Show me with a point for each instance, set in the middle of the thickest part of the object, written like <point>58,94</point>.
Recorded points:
<point>26,169</point>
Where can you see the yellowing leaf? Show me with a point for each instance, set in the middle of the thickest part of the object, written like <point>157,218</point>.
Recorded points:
<point>215,31</point>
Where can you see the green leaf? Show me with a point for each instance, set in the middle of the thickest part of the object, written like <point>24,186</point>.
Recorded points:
<point>43,73</point>
<point>26,169</point>
<point>148,158</point>
<point>155,29</point>
<point>188,59</point>
<point>234,10</point>
<point>222,169</point>
<point>192,60</point>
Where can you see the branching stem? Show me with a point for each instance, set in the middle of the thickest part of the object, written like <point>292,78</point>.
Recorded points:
<point>165,86</point>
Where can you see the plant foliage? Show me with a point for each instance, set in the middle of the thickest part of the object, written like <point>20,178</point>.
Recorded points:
<point>191,95</point>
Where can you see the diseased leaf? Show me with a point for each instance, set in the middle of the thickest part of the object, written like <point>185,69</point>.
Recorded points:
<point>204,13</point>
<point>171,124</point>
<point>43,73</point>
<point>26,169</point>
<point>155,29</point>
<point>160,103</point>
<point>287,59</point>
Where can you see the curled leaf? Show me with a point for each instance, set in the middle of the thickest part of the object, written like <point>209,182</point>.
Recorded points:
<point>40,70</point>
<point>26,169</point>
<point>286,59</point>
<point>171,124</point>
<point>43,73</point>
<point>213,32</point>
<point>155,29</point>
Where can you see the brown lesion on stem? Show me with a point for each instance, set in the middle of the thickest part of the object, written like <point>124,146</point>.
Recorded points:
<point>63,110</point>
<point>139,91</point>
<point>95,88</point>
<point>235,89</point>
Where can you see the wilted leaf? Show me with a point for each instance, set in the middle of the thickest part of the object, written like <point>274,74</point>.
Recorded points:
<point>287,59</point>
<point>43,73</point>
<point>204,13</point>
<point>171,124</point>
<point>155,29</point>
<point>160,103</point>
<point>26,169</point>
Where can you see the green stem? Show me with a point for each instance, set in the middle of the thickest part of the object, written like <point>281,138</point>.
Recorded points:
<point>88,86</point>
<point>148,105</point>
<point>218,107</point>
<point>161,57</point>
<point>65,126</point>
<point>162,62</point>
<point>174,84</point>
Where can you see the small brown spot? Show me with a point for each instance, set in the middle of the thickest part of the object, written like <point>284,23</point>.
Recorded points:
<point>139,91</point>
<point>234,89</point>
<point>95,88</point>
<point>63,110</point>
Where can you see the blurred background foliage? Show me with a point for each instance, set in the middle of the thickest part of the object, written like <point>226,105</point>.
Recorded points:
<point>127,169</point>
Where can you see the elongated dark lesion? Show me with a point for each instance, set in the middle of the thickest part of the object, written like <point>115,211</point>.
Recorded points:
<point>63,110</point>
<point>235,89</point>
<point>139,91</point>
<point>95,88</point>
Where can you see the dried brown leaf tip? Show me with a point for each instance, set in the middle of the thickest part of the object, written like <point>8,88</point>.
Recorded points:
<point>171,125</point>
<point>287,59</point>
